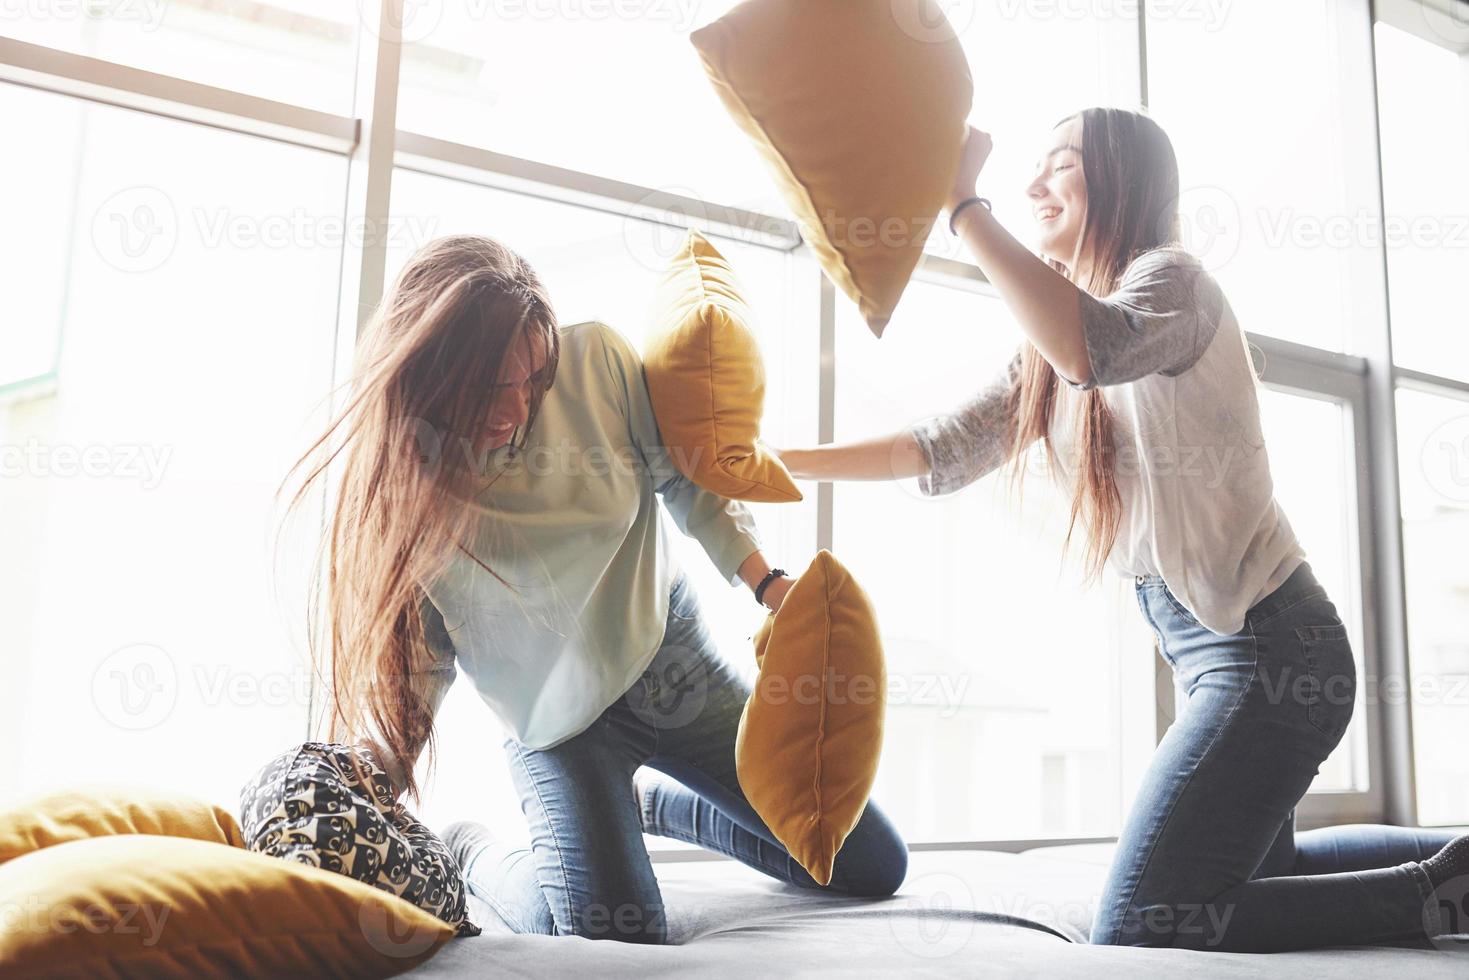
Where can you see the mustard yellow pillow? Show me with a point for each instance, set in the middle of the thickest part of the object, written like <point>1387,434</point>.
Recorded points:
<point>858,107</point>
<point>146,906</point>
<point>103,811</point>
<point>706,379</point>
<point>811,734</point>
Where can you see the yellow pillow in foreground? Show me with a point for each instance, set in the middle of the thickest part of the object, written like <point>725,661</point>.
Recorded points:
<point>145,906</point>
<point>811,734</point>
<point>105,811</point>
<point>858,108</point>
<point>706,379</point>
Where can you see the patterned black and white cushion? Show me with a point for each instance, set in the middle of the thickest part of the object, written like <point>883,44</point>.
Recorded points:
<point>310,805</point>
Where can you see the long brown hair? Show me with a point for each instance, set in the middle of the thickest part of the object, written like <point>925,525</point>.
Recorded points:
<point>1132,191</point>
<point>421,394</point>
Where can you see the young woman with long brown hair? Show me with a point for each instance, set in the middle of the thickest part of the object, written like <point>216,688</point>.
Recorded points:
<point>1156,368</point>
<point>498,510</point>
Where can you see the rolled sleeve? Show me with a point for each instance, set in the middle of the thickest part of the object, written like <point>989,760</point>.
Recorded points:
<point>724,528</point>
<point>964,445</point>
<point>1159,320</point>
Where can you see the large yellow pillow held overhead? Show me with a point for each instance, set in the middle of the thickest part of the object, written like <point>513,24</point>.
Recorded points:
<point>706,379</point>
<point>858,107</point>
<point>810,737</point>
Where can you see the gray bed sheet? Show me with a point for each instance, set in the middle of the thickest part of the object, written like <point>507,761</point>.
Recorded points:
<point>959,914</point>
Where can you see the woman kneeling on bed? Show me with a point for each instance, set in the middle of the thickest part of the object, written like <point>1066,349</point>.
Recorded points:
<point>1133,363</point>
<point>492,519</point>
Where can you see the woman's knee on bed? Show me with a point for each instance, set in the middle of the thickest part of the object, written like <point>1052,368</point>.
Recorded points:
<point>873,861</point>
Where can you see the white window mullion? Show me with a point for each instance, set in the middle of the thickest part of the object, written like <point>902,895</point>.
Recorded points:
<point>366,207</point>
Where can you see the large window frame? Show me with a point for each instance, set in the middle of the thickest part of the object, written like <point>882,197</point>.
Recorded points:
<point>372,146</point>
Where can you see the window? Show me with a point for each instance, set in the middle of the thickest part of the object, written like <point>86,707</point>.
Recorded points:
<point>291,51</point>
<point>137,507</point>
<point>601,266</point>
<point>1422,53</point>
<point>613,89</point>
<point>168,340</point>
<point>1005,720</point>
<point>1088,60</point>
<point>1248,95</point>
<point>1312,460</point>
<point>37,189</point>
<point>1425,152</point>
<point>1433,451</point>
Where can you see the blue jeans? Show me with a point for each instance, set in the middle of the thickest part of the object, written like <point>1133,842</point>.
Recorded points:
<point>1209,857</point>
<point>587,872</point>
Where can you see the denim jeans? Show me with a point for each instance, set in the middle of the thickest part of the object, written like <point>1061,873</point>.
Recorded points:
<point>1209,857</point>
<point>587,872</point>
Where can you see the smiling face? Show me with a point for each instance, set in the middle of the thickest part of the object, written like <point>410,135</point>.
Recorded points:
<point>1058,195</point>
<point>522,375</point>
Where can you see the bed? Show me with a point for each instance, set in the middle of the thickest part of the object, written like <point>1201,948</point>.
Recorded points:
<point>960,913</point>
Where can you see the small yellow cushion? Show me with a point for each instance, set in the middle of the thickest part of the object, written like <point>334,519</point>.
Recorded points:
<point>145,906</point>
<point>811,734</point>
<point>858,108</point>
<point>104,811</point>
<point>706,379</point>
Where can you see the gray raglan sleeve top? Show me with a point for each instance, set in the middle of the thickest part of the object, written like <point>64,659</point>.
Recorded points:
<point>1160,319</point>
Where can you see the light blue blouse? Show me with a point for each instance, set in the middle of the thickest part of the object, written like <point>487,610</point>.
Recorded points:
<point>572,525</point>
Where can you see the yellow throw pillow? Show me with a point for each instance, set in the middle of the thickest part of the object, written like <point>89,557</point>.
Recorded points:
<point>104,811</point>
<point>145,906</point>
<point>858,107</point>
<point>706,379</point>
<point>811,734</point>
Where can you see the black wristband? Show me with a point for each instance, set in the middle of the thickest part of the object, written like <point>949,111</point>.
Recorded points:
<point>960,209</point>
<point>775,573</point>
